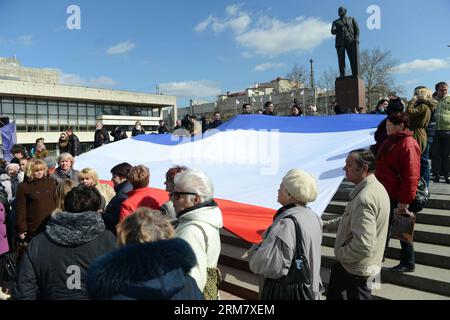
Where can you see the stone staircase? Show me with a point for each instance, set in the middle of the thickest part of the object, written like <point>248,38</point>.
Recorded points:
<point>430,280</point>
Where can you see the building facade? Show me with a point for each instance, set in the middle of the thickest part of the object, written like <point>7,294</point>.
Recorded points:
<point>40,107</point>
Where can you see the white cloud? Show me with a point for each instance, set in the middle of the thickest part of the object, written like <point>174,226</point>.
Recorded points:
<point>268,36</point>
<point>234,20</point>
<point>76,80</point>
<point>233,9</point>
<point>276,37</point>
<point>202,88</point>
<point>268,65</point>
<point>204,24</point>
<point>25,40</point>
<point>121,47</point>
<point>422,65</point>
<point>103,81</point>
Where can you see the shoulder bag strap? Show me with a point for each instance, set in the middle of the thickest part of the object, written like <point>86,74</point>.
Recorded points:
<point>204,235</point>
<point>298,236</point>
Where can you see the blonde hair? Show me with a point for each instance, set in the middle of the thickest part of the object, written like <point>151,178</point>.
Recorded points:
<point>144,225</point>
<point>60,192</point>
<point>35,165</point>
<point>424,94</point>
<point>88,173</point>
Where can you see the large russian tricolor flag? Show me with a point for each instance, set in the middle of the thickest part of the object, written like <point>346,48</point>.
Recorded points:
<point>246,158</point>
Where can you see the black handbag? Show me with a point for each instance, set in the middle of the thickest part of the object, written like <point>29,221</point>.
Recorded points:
<point>422,196</point>
<point>296,285</point>
<point>10,268</point>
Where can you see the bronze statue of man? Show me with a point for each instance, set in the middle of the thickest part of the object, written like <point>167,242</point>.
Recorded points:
<point>347,39</point>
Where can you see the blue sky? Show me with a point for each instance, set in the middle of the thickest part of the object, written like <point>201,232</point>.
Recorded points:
<point>198,49</point>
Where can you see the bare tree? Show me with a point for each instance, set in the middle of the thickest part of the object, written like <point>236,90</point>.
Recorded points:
<point>376,69</point>
<point>298,73</point>
<point>327,82</point>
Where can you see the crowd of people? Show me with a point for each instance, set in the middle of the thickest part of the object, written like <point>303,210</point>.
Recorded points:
<point>76,237</point>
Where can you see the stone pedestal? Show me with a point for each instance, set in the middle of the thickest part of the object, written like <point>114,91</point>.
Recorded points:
<point>350,93</point>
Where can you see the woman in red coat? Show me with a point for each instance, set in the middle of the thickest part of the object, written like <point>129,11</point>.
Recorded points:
<point>398,169</point>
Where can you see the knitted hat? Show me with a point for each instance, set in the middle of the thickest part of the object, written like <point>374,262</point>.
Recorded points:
<point>301,185</point>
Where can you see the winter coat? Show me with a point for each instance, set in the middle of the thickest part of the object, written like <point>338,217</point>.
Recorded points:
<point>163,130</point>
<point>60,175</point>
<point>398,166</point>
<point>4,246</point>
<point>64,145</point>
<point>362,229</point>
<point>273,257</point>
<point>443,114</point>
<point>56,262</point>
<point>34,203</point>
<point>107,193</point>
<point>215,124</point>
<point>112,211</point>
<point>75,146</point>
<point>136,132</point>
<point>380,136</point>
<point>209,217</point>
<point>420,114</point>
<point>145,271</point>
<point>141,197</point>
<point>97,141</point>
<point>11,186</point>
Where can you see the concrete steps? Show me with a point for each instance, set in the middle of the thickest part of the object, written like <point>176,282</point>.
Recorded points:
<point>239,281</point>
<point>430,280</point>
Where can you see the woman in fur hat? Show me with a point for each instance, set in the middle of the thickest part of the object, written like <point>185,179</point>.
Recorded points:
<point>150,265</point>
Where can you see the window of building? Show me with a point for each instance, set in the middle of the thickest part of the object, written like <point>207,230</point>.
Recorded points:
<point>19,106</point>
<point>115,110</point>
<point>52,107</point>
<point>73,109</point>
<point>31,106</point>
<point>42,107</point>
<point>7,106</point>
<point>43,122</point>
<point>99,109</point>
<point>53,123</point>
<point>62,107</point>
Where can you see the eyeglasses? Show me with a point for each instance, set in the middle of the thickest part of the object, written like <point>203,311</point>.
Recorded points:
<point>176,194</point>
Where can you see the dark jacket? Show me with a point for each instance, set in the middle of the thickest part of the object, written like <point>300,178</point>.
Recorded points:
<point>398,166</point>
<point>75,146</point>
<point>118,134</point>
<point>56,262</point>
<point>60,175</point>
<point>155,270</point>
<point>97,141</point>
<point>111,215</point>
<point>380,136</point>
<point>34,203</point>
<point>269,113</point>
<point>136,132</point>
<point>215,124</point>
<point>163,129</point>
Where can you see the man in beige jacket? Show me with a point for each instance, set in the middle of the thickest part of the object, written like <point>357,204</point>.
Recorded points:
<point>361,231</point>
